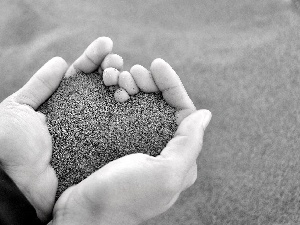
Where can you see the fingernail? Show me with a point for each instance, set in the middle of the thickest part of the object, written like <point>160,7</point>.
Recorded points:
<point>206,118</point>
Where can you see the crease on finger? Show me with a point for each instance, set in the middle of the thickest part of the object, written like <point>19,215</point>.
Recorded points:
<point>90,58</point>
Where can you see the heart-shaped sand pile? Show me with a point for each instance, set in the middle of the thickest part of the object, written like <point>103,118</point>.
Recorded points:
<point>89,128</point>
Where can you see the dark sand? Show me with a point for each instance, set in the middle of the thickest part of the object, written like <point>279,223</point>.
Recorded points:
<point>89,128</point>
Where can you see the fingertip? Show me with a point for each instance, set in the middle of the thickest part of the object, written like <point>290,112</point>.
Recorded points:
<point>169,83</point>
<point>202,116</point>
<point>98,49</point>
<point>158,62</point>
<point>164,75</point>
<point>121,95</point>
<point>105,43</point>
<point>110,76</point>
<point>71,71</point>
<point>160,66</point>
<point>53,70</point>
<point>143,79</point>
<point>193,126</point>
<point>136,68</point>
<point>43,83</point>
<point>127,82</point>
<point>93,55</point>
<point>107,40</point>
<point>206,115</point>
<point>112,60</point>
<point>58,65</point>
<point>59,60</point>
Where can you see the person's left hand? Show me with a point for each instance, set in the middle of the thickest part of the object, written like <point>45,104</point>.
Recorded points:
<point>25,141</point>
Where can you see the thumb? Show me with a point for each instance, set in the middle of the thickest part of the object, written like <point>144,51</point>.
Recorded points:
<point>187,142</point>
<point>42,84</point>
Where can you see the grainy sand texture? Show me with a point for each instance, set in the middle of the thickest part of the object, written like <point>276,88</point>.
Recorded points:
<point>89,128</point>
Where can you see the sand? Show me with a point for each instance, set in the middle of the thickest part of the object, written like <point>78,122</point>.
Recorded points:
<point>89,128</point>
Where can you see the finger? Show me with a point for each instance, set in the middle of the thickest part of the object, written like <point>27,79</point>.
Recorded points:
<point>121,95</point>
<point>181,114</point>
<point>111,76</point>
<point>114,61</point>
<point>186,145</point>
<point>92,57</point>
<point>127,82</point>
<point>143,79</point>
<point>42,84</point>
<point>169,83</point>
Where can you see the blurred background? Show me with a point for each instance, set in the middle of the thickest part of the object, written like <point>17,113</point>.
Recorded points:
<point>237,58</point>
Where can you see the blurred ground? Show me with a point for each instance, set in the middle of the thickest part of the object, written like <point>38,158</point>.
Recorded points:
<point>237,58</point>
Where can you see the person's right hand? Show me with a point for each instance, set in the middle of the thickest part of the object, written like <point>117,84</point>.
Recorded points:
<point>25,142</point>
<point>137,187</point>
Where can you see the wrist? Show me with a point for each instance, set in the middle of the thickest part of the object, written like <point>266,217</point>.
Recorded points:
<point>15,207</point>
<point>69,210</point>
<point>66,217</point>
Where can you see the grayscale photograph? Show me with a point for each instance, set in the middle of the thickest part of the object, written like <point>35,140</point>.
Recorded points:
<point>154,112</point>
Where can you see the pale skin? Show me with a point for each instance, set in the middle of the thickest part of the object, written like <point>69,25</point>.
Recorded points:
<point>129,190</point>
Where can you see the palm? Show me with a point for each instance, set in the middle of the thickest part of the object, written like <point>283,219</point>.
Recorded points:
<point>136,187</point>
<point>26,144</point>
<point>112,190</point>
<point>26,152</point>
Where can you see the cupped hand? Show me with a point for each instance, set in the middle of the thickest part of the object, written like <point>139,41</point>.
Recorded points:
<point>26,144</point>
<point>137,187</point>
